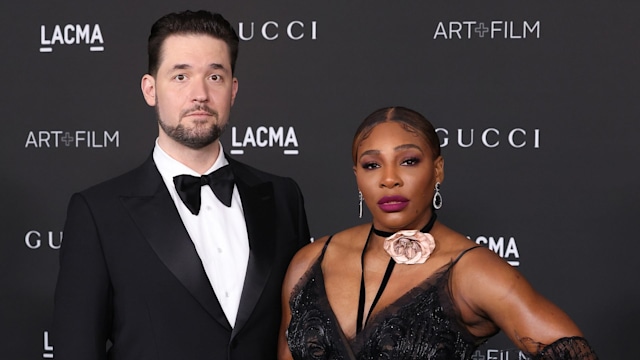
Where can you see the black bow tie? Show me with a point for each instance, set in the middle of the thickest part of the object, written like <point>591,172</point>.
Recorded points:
<point>220,181</point>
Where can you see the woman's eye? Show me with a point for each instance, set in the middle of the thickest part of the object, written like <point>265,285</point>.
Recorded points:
<point>370,165</point>
<point>411,161</point>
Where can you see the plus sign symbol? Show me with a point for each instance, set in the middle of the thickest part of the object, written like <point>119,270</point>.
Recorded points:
<point>477,355</point>
<point>481,30</point>
<point>67,139</point>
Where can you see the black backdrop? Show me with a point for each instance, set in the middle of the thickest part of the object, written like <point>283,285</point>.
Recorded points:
<point>536,103</point>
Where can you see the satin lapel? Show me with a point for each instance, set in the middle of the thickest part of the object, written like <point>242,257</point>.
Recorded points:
<point>258,204</point>
<point>159,221</point>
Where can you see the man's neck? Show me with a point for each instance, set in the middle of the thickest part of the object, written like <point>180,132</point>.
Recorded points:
<point>199,160</point>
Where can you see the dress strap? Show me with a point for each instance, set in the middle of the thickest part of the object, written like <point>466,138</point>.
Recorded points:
<point>464,252</point>
<point>449,270</point>
<point>324,248</point>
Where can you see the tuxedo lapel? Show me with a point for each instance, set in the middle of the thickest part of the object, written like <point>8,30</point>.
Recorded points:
<point>258,204</point>
<point>153,210</point>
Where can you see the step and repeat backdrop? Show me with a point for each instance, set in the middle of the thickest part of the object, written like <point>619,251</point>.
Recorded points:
<point>536,104</point>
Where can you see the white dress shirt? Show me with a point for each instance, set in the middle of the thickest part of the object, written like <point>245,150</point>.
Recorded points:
<point>219,233</point>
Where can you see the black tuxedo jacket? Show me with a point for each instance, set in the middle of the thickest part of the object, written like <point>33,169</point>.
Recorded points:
<point>132,287</point>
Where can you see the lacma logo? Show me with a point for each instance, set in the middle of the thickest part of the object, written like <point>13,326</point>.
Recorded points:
<point>48,348</point>
<point>71,35</point>
<point>264,137</point>
<point>506,248</point>
<point>73,139</point>
<point>499,29</point>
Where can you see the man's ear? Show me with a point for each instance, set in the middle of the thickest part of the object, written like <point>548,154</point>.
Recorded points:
<point>148,87</point>
<point>234,90</point>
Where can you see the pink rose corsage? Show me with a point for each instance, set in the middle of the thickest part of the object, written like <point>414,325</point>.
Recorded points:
<point>410,246</point>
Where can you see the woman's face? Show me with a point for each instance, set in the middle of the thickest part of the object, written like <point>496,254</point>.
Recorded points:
<point>396,174</point>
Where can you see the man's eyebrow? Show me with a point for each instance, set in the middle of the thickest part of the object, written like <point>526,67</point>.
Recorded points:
<point>214,66</point>
<point>217,66</point>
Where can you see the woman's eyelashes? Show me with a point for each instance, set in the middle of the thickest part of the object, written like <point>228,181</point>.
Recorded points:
<point>411,161</point>
<point>408,161</point>
<point>370,165</point>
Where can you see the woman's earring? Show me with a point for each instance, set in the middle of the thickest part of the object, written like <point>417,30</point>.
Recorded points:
<point>437,198</point>
<point>360,206</point>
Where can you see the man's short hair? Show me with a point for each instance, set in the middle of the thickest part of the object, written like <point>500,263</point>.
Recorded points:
<point>200,22</point>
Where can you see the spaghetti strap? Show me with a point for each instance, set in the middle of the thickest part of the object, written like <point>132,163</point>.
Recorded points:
<point>459,256</point>
<point>324,248</point>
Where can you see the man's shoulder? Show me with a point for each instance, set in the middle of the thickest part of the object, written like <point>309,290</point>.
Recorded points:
<point>241,169</point>
<point>128,181</point>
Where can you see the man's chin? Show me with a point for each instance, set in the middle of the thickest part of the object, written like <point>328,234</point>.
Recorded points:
<point>196,143</point>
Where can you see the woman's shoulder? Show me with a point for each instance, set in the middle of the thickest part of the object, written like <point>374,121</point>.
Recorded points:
<point>310,252</point>
<point>477,264</point>
<point>480,276</point>
<point>466,253</point>
<point>351,235</point>
<point>481,261</point>
<point>300,263</point>
<point>346,238</point>
<point>307,255</point>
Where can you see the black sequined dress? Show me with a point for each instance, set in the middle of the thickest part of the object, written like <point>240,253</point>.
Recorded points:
<point>421,324</point>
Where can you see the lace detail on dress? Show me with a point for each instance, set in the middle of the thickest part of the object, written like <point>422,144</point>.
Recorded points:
<point>568,348</point>
<point>312,330</point>
<point>421,324</point>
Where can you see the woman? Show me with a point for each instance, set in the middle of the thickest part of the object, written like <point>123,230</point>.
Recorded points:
<point>374,291</point>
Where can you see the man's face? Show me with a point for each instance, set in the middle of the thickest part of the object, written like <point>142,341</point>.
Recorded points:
<point>193,90</point>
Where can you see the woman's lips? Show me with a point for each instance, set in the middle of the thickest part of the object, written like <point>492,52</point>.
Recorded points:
<point>393,203</point>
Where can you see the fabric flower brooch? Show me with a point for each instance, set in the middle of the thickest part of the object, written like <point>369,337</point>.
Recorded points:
<point>410,246</point>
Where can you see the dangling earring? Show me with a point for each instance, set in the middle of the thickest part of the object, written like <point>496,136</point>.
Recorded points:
<point>437,198</point>
<point>360,206</point>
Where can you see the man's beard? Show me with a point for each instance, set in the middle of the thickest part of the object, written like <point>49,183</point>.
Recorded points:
<point>197,137</point>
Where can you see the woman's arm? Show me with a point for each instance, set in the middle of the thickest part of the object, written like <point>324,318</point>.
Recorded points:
<point>491,292</point>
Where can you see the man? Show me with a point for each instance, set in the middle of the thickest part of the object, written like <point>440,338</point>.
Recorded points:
<point>145,274</point>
